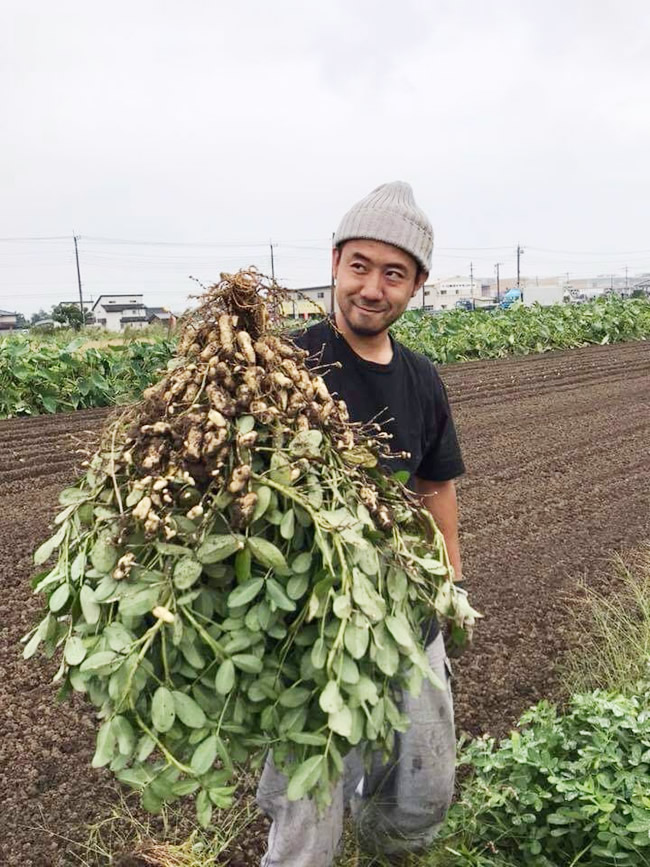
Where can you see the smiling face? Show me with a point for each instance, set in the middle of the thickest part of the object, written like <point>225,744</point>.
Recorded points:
<point>374,284</point>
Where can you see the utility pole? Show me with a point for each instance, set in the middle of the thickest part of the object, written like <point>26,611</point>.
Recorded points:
<point>272,263</point>
<point>521,291</point>
<point>498,264</point>
<point>332,278</point>
<point>81,297</point>
<point>626,279</point>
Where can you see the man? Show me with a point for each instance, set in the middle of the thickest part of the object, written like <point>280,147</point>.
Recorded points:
<point>381,259</point>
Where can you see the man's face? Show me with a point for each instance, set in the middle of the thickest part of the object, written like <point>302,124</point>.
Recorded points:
<point>374,283</point>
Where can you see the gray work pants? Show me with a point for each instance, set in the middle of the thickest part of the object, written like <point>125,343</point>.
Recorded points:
<point>398,806</point>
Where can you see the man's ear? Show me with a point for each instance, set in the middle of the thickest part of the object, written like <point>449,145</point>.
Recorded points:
<point>420,280</point>
<point>336,258</point>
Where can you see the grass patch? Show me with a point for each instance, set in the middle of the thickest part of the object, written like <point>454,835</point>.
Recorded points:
<point>613,627</point>
<point>129,837</point>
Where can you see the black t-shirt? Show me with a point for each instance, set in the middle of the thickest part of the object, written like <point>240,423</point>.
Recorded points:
<point>406,396</point>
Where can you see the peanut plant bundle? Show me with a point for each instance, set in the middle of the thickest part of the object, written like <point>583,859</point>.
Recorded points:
<point>236,571</point>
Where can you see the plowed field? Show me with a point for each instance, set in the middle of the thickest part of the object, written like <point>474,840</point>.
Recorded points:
<point>558,480</point>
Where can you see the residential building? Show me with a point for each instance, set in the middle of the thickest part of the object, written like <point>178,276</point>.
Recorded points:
<point>117,312</point>
<point>7,320</point>
<point>161,316</point>
<point>313,301</point>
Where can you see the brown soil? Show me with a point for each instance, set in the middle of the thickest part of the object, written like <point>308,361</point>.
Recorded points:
<point>558,480</point>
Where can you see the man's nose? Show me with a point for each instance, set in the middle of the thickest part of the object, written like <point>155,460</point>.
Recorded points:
<point>372,289</point>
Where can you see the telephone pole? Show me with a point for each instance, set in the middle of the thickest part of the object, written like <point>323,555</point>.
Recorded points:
<point>498,264</point>
<point>521,291</point>
<point>332,278</point>
<point>272,263</point>
<point>81,297</point>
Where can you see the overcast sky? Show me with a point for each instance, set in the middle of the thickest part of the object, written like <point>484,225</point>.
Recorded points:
<point>216,127</point>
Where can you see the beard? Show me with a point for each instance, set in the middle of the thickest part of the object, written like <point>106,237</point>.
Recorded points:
<point>369,330</point>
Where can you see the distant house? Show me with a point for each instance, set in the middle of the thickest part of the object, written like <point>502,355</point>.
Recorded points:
<point>7,320</point>
<point>308,302</point>
<point>117,312</point>
<point>161,316</point>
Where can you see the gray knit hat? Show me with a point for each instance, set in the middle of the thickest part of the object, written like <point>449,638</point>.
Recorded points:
<point>389,214</point>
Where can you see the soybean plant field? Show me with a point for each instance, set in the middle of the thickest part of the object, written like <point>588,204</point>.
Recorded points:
<point>39,375</point>
<point>456,335</point>
<point>558,479</point>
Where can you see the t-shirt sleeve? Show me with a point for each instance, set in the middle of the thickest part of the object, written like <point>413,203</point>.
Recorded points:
<point>443,459</point>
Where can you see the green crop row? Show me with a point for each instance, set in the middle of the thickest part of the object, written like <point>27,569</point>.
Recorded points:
<point>42,377</point>
<point>458,335</point>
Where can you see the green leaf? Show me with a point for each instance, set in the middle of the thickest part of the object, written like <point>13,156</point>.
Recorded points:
<point>387,656</point>
<point>187,710</point>
<point>342,606</point>
<point>225,678</point>
<point>304,778</point>
<point>341,722</point>
<point>100,660</point>
<point>204,755</point>
<point>319,653</point>
<point>347,670</point>
<point>218,547</point>
<point>45,551</point>
<point>75,650</point>
<point>301,563</point>
<point>90,608</point>
<point>163,711</point>
<point>146,746</point>
<point>401,632</point>
<point>308,739</point>
<point>150,801</point>
<point>245,424</point>
<point>266,553</point>
<point>306,444</point>
<point>106,743</point>
<point>123,731</point>
<point>294,696</point>
<point>287,525</point>
<point>297,586</point>
<point>38,636</point>
<point>138,603</point>
<point>248,662</point>
<point>356,640</point>
<point>203,809</point>
<point>275,592</point>
<point>104,556</point>
<point>72,496</point>
<point>264,496</point>
<point>397,584</point>
<point>331,700</point>
<point>59,598</point>
<point>245,593</point>
<point>171,550</point>
<point>243,565</point>
<point>186,572</point>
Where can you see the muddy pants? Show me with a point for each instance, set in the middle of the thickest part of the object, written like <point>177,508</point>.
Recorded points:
<point>398,807</point>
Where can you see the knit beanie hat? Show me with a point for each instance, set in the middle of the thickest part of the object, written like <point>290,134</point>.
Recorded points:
<point>389,214</point>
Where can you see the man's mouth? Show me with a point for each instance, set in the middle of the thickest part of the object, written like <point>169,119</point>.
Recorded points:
<point>369,309</point>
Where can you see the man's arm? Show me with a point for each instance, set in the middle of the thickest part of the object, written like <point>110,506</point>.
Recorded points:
<point>440,499</point>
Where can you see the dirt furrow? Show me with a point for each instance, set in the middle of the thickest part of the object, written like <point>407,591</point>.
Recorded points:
<point>558,480</point>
